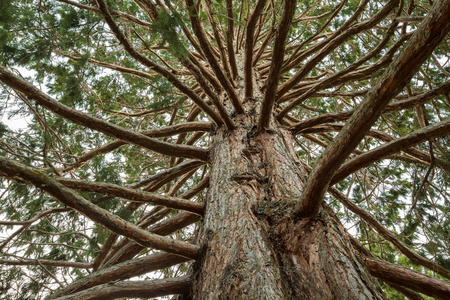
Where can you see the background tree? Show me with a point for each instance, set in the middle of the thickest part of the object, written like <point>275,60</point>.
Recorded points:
<point>225,149</point>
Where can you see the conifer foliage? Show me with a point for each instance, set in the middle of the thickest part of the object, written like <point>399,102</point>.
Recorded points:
<point>224,149</point>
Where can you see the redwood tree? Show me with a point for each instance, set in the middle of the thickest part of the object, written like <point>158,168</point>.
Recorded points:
<point>225,149</point>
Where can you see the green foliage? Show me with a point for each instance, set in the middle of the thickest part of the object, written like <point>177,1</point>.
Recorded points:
<point>168,28</point>
<point>3,129</point>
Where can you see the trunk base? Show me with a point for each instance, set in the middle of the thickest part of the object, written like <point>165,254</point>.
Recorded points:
<point>319,262</point>
<point>251,248</point>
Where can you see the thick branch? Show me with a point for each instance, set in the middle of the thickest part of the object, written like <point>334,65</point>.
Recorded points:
<point>392,107</point>
<point>412,295</point>
<point>134,289</point>
<point>249,43</point>
<point>206,47</point>
<point>160,132</point>
<point>386,234</point>
<point>122,271</point>
<point>15,170</point>
<point>276,64</point>
<point>97,124</point>
<point>46,262</point>
<point>418,49</point>
<point>410,279</point>
<point>157,68</point>
<point>230,35</point>
<point>134,195</point>
<point>395,146</point>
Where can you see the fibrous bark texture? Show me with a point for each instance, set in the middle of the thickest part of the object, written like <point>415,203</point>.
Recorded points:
<point>250,249</point>
<point>318,260</point>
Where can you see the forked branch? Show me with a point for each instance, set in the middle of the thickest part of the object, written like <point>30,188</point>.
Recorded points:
<point>122,271</point>
<point>97,124</point>
<point>17,171</point>
<point>429,34</point>
<point>410,279</point>
<point>276,64</point>
<point>386,234</point>
<point>134,289</point>
<point>409,140</point>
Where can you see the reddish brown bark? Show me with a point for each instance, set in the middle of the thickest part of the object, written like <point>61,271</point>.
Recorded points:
<point>11,169</point>
<point>250,249</point>
<point>407,278</point>
<point>276,64</point>
<point>97,124</point>
<point>125,270</point>
<point>319,262</point>
<point>133,289</point>
<point>133,195</point>
<point>429,34</point>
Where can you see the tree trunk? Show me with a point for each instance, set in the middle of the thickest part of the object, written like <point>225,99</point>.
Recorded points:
<point>251,248</point>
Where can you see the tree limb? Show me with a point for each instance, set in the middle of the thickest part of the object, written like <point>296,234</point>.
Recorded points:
<point>122,271</point>
<point>134,195</point>
<point>230,35</point>
<point>276,64</point>
<point>410,279</point>
<point>394,146</point>
<point>249,47</point>
<point>14,170</point>
<point>97,124</point>
<point>134,289</point>
<point>386,234</point>
<point>431,31</point>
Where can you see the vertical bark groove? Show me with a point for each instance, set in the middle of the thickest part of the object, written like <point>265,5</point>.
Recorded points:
<point>251,245</point>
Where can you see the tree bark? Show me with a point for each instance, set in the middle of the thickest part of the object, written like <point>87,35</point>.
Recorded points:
<point>133,289</point>
<point>250,247</point>
<point>122,271</point>
<point>392,273</point>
